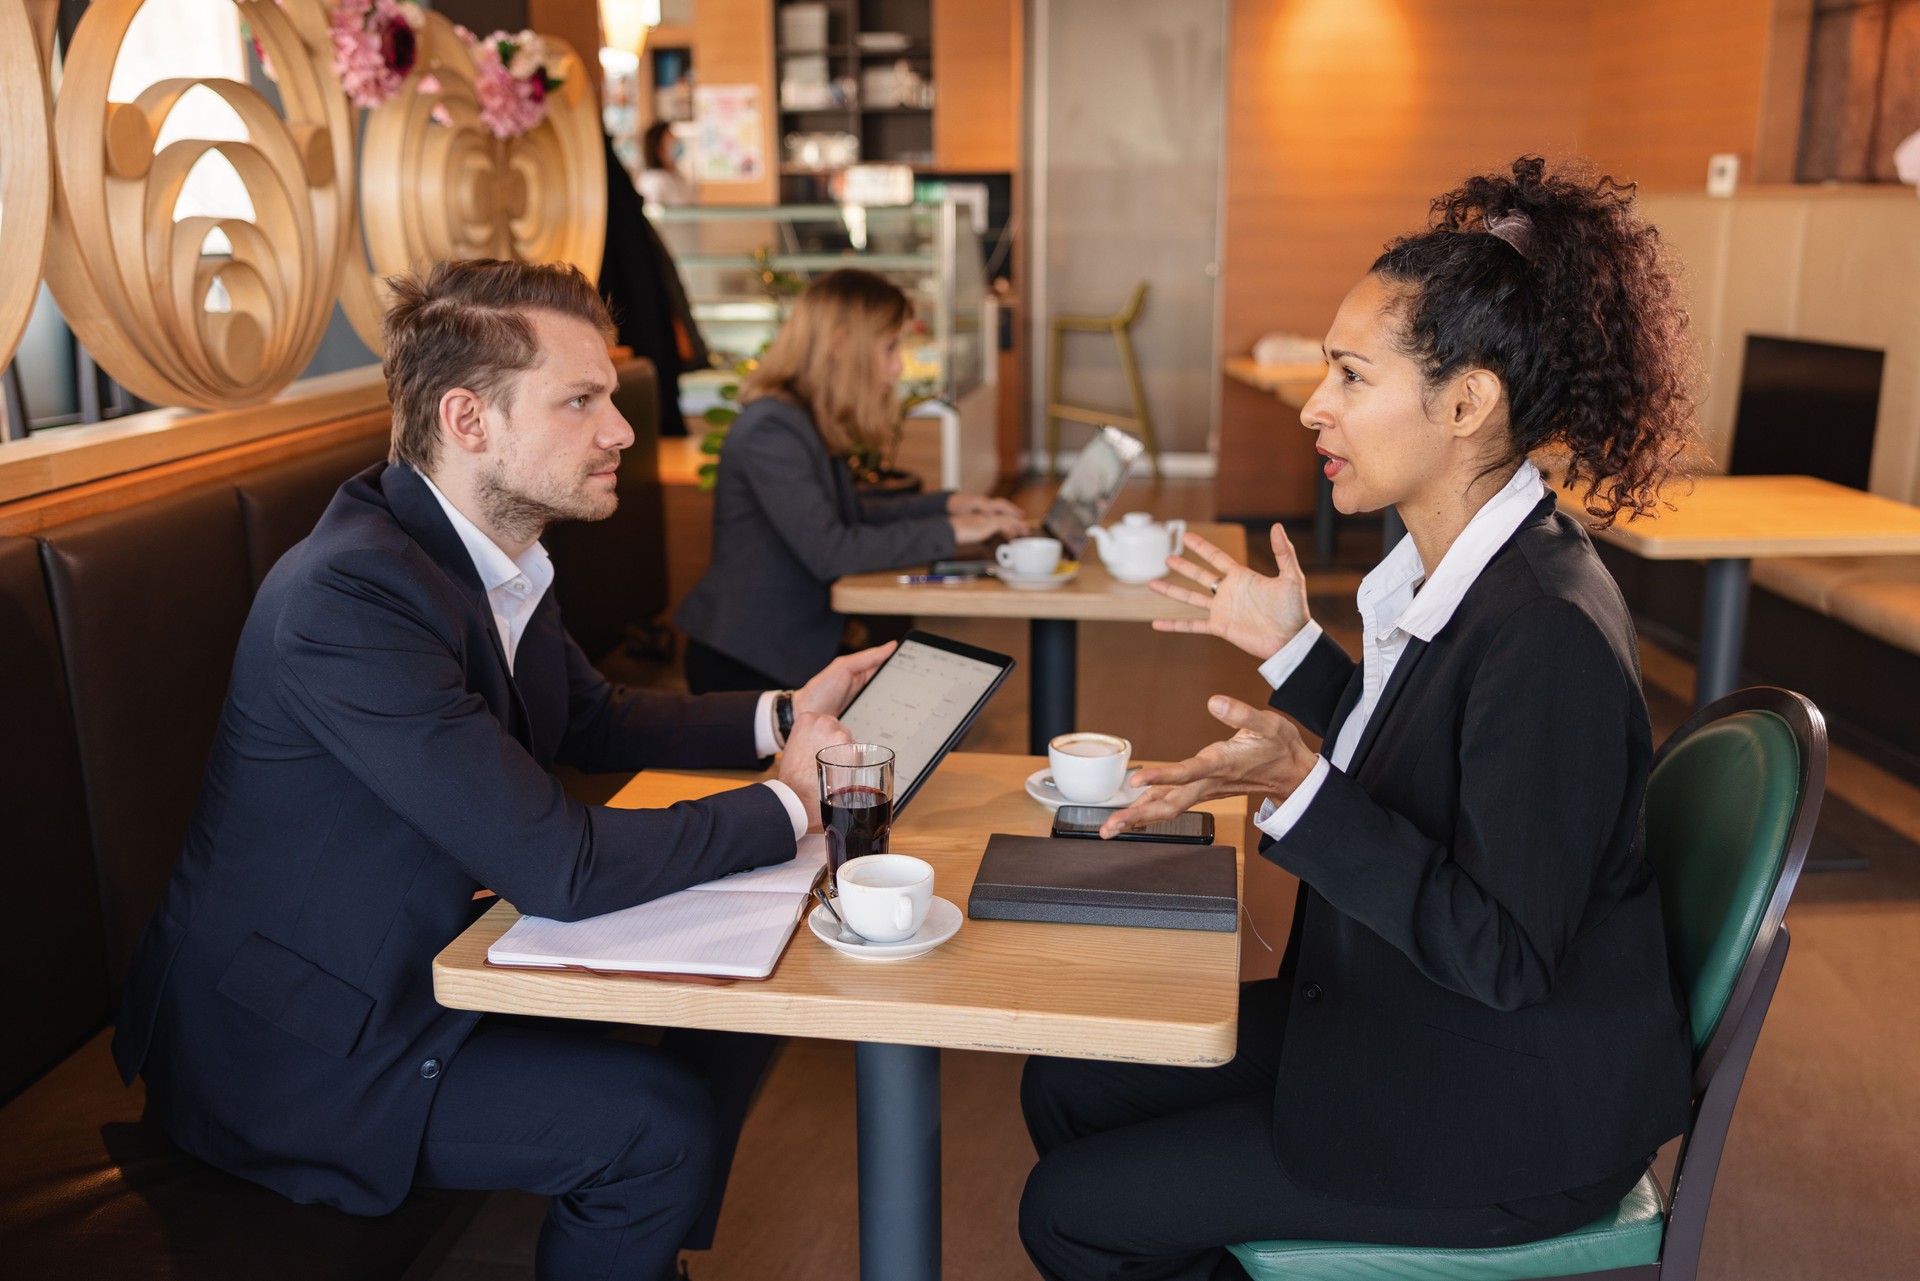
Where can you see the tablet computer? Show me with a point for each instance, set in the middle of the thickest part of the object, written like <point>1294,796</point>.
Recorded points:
<point>921,701</point>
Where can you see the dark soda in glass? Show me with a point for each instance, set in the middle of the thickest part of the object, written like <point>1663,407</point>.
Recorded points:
<point>857,821</point>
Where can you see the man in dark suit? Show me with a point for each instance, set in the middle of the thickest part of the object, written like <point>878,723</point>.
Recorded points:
<point>401,687</point>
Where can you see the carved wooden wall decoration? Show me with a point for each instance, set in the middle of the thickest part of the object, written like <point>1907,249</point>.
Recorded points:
<point>436,184</point>
<point>86,199</point>
<point>26,163</point>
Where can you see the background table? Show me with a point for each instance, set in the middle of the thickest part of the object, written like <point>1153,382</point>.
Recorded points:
<point>1292,385</point>
<point>1016,987</point>
<point>1728,520</point>
<point>1053,615</point>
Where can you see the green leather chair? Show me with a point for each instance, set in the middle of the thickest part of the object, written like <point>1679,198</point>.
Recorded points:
<point>1730,812</point>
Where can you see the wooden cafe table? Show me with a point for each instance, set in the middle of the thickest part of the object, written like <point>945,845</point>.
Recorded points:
<point>1053,618</point>
<point>1729,520</point>
<point>1012,987</point>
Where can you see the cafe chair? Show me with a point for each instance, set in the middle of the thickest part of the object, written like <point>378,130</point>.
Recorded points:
<point>1730,812</point>
<point>1118,324</point>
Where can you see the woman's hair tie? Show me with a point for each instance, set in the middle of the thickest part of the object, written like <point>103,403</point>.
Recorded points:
<point>1516,229</point>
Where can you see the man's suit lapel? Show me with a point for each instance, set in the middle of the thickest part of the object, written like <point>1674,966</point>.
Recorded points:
<point>419,513</point>
<point>540,676</point>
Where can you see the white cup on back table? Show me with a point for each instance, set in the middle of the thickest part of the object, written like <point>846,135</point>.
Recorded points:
<point>1029,557</point>
<point>884,897</point>
<point>1089,768</point>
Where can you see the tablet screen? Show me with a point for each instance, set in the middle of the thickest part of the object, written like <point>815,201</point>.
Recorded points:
<point>920,701</point>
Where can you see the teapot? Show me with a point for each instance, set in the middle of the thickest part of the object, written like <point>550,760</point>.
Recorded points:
<point>1136,549</point>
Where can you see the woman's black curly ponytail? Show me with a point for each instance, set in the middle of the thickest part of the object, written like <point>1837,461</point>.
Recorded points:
<point>1570,302</point>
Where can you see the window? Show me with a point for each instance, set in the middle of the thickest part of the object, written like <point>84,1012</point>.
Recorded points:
<point>1863,89</point>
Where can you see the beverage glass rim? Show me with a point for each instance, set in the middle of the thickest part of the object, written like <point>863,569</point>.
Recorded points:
<point>872,755</point>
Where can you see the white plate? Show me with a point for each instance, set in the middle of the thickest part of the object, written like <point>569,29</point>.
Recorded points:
<point>942,923</point>
<point>1039,582</point>
<point>1040,787</point>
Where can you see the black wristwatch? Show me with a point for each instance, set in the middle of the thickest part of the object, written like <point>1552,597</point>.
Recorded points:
<point>783,714</point>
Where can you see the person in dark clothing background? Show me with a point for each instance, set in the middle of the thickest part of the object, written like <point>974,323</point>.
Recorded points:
<point>643,291</point>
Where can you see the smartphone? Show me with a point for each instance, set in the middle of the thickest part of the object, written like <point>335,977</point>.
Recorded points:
<point>968,568</point>
<point>1195,827</point>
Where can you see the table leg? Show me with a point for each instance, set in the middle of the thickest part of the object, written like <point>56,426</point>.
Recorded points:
<point>1051,684</point>
<point>1723,625</point>
<point>898,1089</point>
<point>1325,519</point>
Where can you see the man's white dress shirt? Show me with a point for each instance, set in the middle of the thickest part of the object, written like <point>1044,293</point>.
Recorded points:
<point>1395,607</point>
<point>514,587</point>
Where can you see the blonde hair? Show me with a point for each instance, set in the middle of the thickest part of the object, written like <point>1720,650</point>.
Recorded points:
<point>823,358</point>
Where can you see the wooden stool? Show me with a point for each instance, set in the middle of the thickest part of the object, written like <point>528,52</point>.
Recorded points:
<point>1117,325</point>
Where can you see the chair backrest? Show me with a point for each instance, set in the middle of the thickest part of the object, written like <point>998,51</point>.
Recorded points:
<point>1731,807</point>
<point>1730,811</point>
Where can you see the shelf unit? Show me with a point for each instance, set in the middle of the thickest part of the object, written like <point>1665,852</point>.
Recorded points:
<point>885,134</point>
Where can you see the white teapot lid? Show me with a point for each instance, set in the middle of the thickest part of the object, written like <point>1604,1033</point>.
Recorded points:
<point>1138,520</point>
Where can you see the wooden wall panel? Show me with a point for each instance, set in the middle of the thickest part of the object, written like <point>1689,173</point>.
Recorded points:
<point>976,80</point>
<point>1345,117</point>
<point>1676,82</point>
<point>733,44</point>
<point>578,23</point>
<point>1839,265</point>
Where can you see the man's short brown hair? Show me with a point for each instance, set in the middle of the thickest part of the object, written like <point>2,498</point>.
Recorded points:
<point>464,324</point>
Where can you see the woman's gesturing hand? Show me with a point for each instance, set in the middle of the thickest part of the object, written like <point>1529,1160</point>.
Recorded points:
<point>1265,757</point>
<point>1250,611</point>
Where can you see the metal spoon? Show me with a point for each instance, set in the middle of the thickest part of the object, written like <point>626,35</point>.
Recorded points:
<point>846,931</point>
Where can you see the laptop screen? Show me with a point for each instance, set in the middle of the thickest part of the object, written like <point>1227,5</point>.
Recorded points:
<point>1090,486</point>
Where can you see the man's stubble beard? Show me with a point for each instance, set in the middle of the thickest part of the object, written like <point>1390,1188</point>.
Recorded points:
<point>521,517</point>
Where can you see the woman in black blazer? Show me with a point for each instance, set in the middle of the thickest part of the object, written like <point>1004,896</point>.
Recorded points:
<point>787,517</point>
<point>1474,1039</point>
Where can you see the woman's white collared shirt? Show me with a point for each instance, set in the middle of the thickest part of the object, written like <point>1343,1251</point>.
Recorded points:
<point>1396,605</point>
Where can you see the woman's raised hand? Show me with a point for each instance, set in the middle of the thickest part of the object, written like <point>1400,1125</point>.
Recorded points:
<point>1265,757</point>
<point>1250,611</point>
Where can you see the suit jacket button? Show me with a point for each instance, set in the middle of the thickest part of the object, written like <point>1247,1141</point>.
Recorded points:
<point>1313,991</point>
<point>430,1069</point>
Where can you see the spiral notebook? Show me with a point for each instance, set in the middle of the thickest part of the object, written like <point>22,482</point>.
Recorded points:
<point>734,927</point>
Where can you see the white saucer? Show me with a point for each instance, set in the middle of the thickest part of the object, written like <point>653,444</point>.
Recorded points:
<point>942,923</point>
<point>1040,582</point>
<point>1040,787</point>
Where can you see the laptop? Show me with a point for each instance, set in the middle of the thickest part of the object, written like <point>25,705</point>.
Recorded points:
<point>1090,486</point>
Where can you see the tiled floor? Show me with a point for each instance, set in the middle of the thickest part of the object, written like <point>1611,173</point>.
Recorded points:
<point>1822,1170</point>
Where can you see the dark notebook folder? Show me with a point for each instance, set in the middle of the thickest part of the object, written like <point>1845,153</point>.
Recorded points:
<point>1088,882</point>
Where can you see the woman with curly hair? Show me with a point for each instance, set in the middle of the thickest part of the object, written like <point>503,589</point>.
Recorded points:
<point>1474,1038</point>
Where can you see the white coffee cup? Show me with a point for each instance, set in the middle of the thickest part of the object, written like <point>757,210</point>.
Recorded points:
<point>1029,557</point>
<point>1089,768</point>
<point>884,897</point>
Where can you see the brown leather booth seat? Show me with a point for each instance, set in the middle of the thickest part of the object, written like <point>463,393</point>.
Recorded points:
<point>53,965</point>
<point>117,635</point>
<point>1843,630</point>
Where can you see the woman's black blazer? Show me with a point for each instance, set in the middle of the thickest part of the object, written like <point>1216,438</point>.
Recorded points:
<point>1480,1004</point>
<point>787,521</point>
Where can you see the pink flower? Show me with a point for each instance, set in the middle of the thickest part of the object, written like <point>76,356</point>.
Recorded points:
<point>508,107</point>
<point>374,48</point>
<point>510,104</point>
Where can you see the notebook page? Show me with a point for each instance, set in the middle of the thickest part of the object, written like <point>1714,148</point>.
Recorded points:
<point>793,877</point>
<point>697,931</point>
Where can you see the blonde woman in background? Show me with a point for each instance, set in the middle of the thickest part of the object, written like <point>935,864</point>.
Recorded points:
<point>787,516</point>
